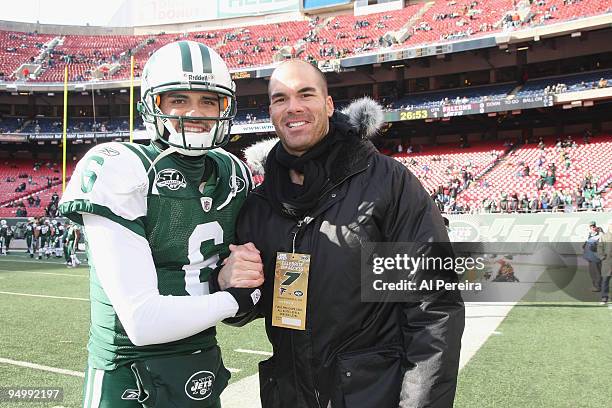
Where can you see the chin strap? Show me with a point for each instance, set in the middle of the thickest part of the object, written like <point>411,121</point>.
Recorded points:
<point>167,152</point>
<point>233,189</point>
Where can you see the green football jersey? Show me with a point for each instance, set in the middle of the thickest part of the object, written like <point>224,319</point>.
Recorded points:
<point>188,224</point>
<point>29,230</point>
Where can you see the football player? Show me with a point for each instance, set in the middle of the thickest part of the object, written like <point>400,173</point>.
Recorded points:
<point>159,219</point>
<point>45,239</point>
<point>4,228</point>
<point>58,234</point>
<point>66,241</point>
<point>72,245</point>
<point>29,236</point>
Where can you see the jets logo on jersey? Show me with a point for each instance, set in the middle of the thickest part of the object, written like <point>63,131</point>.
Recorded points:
<point>240,184</point>
<point>108,151</point>
<point>206,203</point>
<point>130,395</point>
<point>171,179</point>
<point>199,386</point>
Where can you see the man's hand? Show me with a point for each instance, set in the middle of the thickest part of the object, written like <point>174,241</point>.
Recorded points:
<point>242,269</point>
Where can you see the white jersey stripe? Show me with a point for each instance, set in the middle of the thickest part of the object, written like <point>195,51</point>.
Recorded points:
<point>96,396</point>
<point>87,399</point>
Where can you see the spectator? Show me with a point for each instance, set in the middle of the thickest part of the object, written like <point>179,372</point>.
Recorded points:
<point>590,254</point>
<point>597,202</point>
<point>604,252</point>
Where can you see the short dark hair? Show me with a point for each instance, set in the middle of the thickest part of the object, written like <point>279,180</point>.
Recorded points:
<point>318,72</point>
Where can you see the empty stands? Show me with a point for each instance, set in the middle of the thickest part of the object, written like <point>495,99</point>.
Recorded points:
<point>256,45</point>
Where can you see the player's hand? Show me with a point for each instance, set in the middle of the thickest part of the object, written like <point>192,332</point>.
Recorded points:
<point>242,269</point>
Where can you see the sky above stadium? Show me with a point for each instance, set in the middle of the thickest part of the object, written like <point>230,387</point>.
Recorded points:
<point>67,12</point>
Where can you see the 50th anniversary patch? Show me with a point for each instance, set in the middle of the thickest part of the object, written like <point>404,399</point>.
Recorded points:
<point>171,179</point>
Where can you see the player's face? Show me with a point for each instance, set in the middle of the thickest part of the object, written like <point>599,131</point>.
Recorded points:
<point>299,107</point>
<point>191,104</point>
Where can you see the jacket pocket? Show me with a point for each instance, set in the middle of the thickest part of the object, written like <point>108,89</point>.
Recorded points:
<point>268,386</point>
<point>370,378</point>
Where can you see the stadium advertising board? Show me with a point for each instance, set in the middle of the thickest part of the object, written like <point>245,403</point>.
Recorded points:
<point>154,12</point>
<point>252,128</point>
<point>80,135</point>
<point>469,108</point>
<point>411,53</point>
<point>242,74</point>
<point>314,4</point>
<point>538,227</point>
<point>12,137</point>
<point>242,8</point>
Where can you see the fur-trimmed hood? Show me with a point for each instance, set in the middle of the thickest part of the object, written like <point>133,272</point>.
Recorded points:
<point>364,115</point>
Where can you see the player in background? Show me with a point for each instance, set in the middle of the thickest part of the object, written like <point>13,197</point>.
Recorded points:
<point>37,225</point>
<point>58,242</point>
<point>74,237</point>
<point>45,239</point>
<point>4,241</point>
<point>66,240</point>
<point>29,236</point>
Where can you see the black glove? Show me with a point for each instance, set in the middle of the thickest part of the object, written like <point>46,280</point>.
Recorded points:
<point>246,298</point>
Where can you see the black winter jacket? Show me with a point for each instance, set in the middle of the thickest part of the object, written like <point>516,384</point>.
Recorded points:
<point>354,354</point>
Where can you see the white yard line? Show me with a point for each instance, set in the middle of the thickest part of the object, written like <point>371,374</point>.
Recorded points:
<point>32,261</point>
<point>54,274</point>
<point>247,351</point>
<point>41,367</point>
<point>58,370</point>
<point>43,296</point>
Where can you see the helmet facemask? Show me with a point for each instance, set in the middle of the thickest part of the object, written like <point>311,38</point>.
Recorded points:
<point>185,142</point>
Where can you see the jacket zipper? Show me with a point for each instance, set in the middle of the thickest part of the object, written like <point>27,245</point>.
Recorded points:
<point>306,220</point>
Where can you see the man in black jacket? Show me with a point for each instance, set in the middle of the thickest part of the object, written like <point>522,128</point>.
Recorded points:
<point>327,192</point>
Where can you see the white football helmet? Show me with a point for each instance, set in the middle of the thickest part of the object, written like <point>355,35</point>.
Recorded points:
<point>2,223</point>
<point>186,66</point>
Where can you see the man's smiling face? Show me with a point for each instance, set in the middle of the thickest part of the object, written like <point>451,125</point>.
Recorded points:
<point>300,107</point>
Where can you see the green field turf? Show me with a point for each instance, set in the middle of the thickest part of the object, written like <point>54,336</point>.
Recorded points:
<point>543,355</point>
<point>53,332</point>
<point>555,352</point>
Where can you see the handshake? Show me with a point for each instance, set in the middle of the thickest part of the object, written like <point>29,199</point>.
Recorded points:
<point>242,276</point>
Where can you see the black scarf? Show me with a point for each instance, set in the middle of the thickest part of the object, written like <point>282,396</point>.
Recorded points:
<point>293,200</point>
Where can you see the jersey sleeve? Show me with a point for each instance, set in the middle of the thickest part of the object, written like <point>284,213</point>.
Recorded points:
<point>110,181</point>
